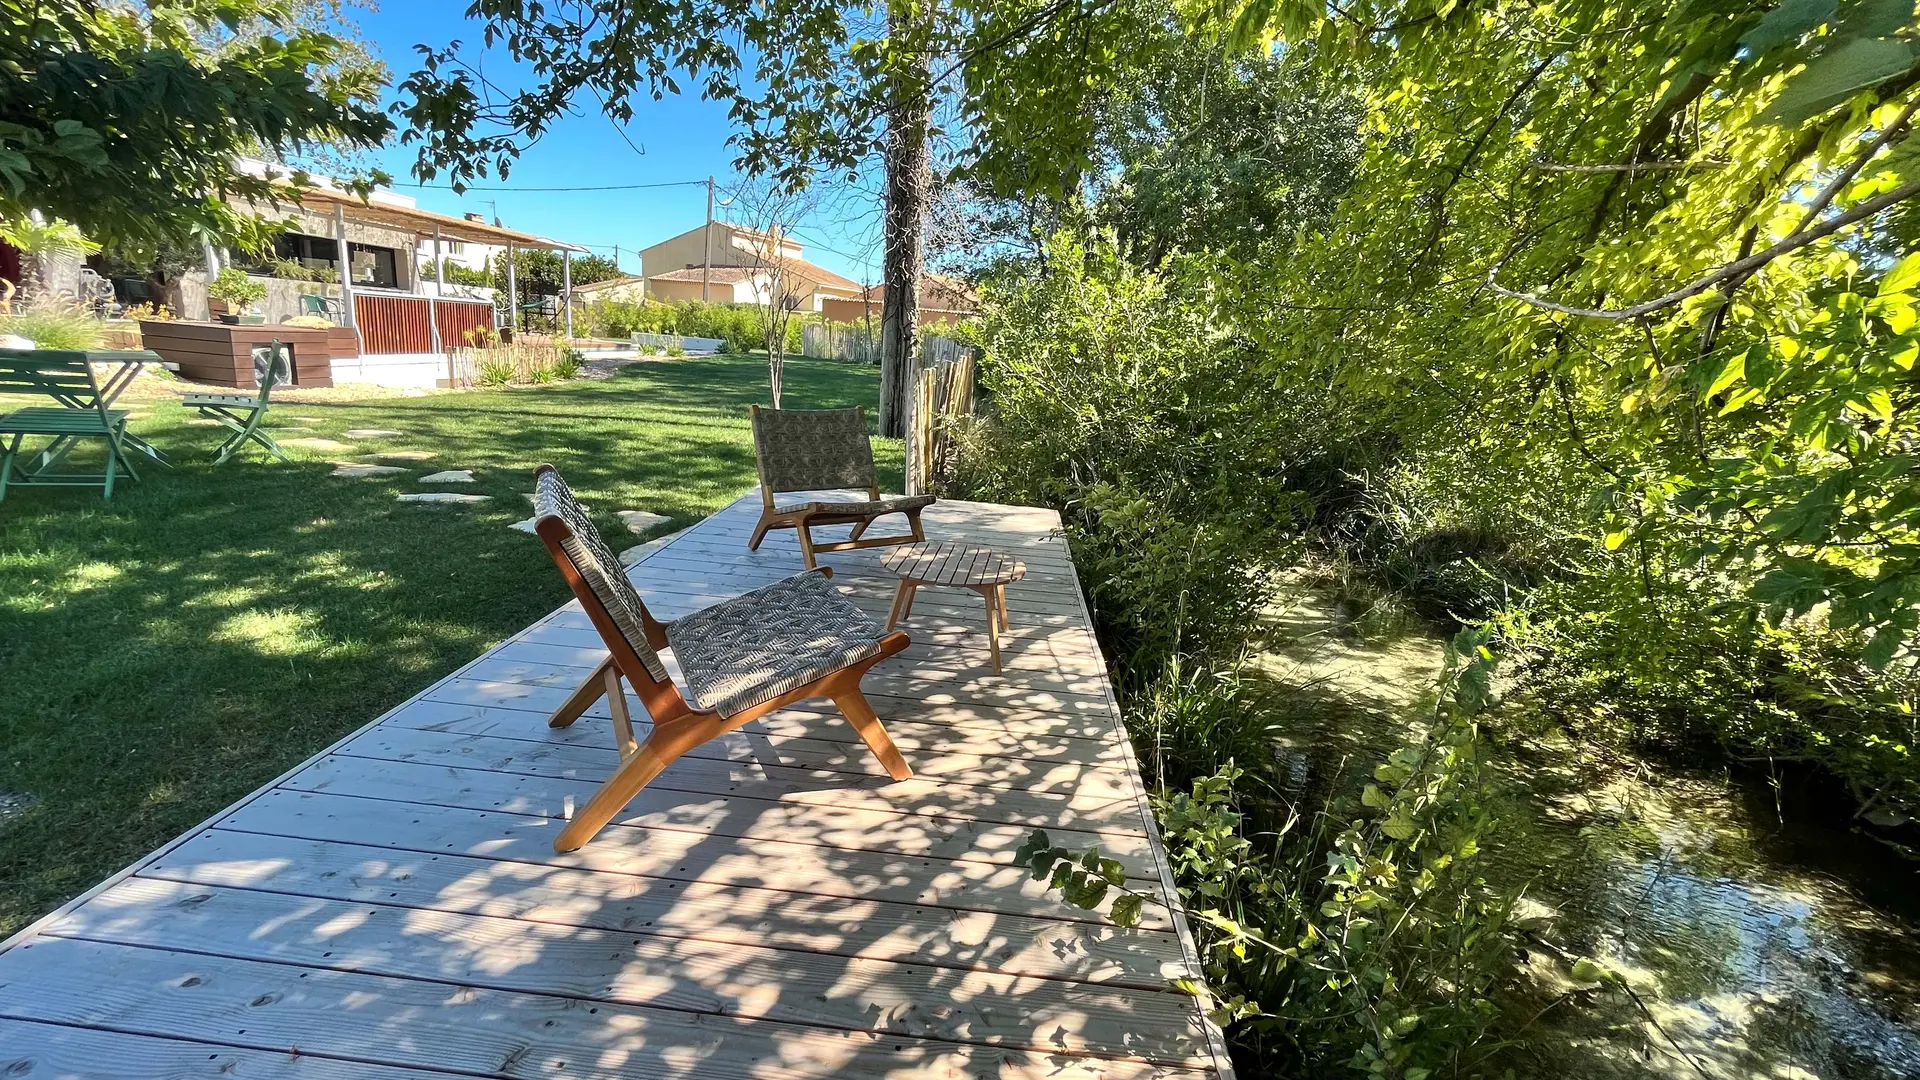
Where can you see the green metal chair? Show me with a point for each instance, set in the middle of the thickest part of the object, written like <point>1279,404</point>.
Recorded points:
<point>240,414</point>
<point>82,412</point>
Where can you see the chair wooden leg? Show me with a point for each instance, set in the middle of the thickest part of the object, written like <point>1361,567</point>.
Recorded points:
<point>760,532</point>
<point>617,705</point>
<point>858,528</point>
<point>900,596</point>
<point>583,696</point>
<point>853,704</point>
<point>634,773</point>
<point>1001,592</point>
<point>806,544</point>
<point>912,591</point>
<point>913,523</point>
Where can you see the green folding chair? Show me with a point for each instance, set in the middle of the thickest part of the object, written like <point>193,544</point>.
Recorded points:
<point>81,412</point>
<point>241,415</point>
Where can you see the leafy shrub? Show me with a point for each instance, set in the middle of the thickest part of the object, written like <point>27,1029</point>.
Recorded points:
<point>1357,939</point>
<point>1113,404</point>
<point>742,327</point>
<point>676,349</point>
<point>493,371</point>
<point>1688,671</point>
<point>568,363</point>
<point>236,289</point>
<point>56,326</point>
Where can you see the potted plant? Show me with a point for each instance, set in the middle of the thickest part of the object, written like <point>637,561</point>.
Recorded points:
<point>239,293</point>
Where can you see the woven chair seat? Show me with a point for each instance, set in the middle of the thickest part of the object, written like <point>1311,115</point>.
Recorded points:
<point>864,508</point>
<point>753,648</point>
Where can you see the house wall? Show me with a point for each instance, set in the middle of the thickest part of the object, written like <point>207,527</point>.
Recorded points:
<point>313,223</point>
<point>632,291</point>
<point>840,310</point>
<point>739,292</point>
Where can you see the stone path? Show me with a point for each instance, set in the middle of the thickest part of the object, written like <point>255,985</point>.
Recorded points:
<point>449,476</point>
<point>639,521</point>
<point>442,497</point>
<point>372,433</point>
<point>406,455</point>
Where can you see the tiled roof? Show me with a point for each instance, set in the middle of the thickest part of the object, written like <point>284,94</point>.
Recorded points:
<point>721,274</point>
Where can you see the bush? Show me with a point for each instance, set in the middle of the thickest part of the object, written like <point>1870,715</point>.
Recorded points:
<point>233,286</point>
<point>1357,939</point>
<point>742,327</point>
<point>1690,672</point>
<point>1113,404</point>
<point>56,326</point>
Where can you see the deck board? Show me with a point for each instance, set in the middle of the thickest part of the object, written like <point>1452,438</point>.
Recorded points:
<point>772,906</point>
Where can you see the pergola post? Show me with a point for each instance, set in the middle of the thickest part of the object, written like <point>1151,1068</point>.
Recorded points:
<point>439,290</point>
<point>566,286</point>
<point>346,275</point>
<point>513,294</point>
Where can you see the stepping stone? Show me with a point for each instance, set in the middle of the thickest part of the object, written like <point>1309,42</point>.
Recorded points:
<point>640,551</point>
<point>327,445</point>
<point>302,419</point>
<point>372,433</point>
<point>405,455</point>
<point>442,497</point>
<point>203,422</point>
<point>524,526</point>
<point>355,468</point>
<point>450,476</point>
<point>639,521</point>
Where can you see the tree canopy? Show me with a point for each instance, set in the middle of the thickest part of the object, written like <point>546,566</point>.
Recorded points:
<point>126,121</point>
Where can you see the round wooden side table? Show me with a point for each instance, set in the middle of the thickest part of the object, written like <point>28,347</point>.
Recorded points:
<point>955,565</point>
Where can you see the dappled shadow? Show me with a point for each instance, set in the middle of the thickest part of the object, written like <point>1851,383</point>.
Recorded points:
<point>165,652</point>
<point>769,905</point>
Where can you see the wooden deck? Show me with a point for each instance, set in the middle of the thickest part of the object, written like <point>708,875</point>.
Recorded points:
<point>773,906</point>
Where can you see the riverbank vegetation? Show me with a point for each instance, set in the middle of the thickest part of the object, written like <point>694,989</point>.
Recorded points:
<point>1587,332</point>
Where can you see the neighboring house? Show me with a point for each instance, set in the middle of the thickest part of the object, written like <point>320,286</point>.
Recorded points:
<point>942,300</point>
<point>465,253</point>
<point>630,288</point>
<point>741,270</point>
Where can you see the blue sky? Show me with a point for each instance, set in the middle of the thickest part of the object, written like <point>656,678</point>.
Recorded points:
<point>684,138</point>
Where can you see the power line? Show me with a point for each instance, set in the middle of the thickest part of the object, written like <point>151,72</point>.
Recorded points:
<point>601,187</point>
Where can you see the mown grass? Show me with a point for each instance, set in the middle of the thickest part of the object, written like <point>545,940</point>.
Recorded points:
<point>165,653</point>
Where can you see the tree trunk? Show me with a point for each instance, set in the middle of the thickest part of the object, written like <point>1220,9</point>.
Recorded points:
<point>905,244</point>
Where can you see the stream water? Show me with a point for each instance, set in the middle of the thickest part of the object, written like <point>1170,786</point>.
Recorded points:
<point>1760,934</point>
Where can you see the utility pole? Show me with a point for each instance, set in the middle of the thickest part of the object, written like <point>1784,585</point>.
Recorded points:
<point>706,264</point>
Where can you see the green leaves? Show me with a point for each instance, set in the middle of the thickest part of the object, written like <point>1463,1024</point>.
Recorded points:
<point>1083,880</point>
<point>1838,74</point>
<point>1787,22</point>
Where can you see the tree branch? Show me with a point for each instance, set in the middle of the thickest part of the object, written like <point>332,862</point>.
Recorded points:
<point>1753,262</point>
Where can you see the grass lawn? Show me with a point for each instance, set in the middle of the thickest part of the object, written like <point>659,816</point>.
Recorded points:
<point>165,653</point>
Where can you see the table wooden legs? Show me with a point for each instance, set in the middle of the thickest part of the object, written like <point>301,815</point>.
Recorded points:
<point>902,603</point>
<point>996,602</point>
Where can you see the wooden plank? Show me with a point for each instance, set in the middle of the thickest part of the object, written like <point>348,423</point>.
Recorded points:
<point>731,813</point>
<point>967,886</point>
<point>32,1049</point>
<point>415,1023</point>
<point>1015,944</point>
<point>787,728</point>
<point>681,974</point>
<point>1034,795</point>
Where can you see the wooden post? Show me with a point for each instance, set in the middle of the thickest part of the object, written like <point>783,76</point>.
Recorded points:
<point>346,276</point>
<point>513,293</point>
<point>439,290</point>
<point>566,287</point>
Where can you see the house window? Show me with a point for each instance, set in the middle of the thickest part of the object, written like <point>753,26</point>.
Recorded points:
<point>313,252</point>
<point>374,266</point>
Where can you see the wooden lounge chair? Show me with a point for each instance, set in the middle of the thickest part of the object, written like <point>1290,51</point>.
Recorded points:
<point>741,659</point>
<point>241,415</point>
<point>81,412</point>
<point>815,450</point>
